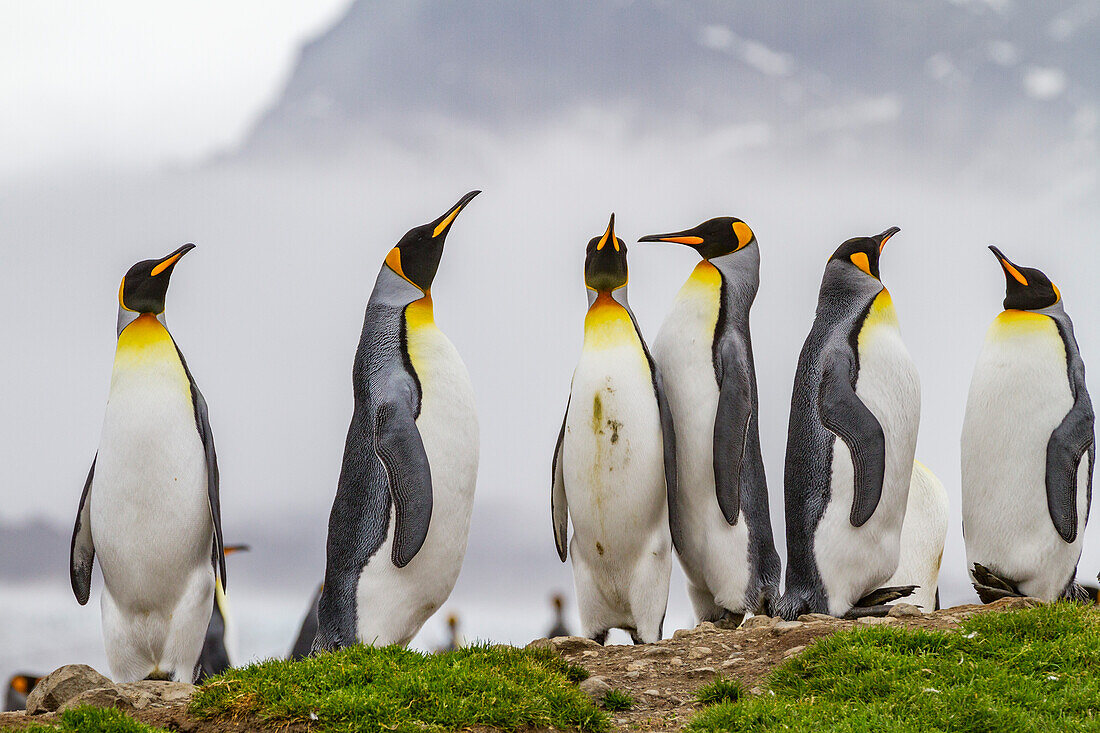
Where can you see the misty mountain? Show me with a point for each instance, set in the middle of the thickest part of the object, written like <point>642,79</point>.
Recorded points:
<point>981,79</point>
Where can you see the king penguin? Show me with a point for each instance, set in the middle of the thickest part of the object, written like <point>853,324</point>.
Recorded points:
<point>922,536</point>
<point>150,506</point>
<point>399,524</point>
<point>704,353</point>
<point>614,467</point>
<point>1028,447</point>
<point>853,431</point>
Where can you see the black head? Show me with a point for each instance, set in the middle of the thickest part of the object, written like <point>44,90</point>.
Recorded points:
<point>712,238</point>
<point>605,261</point>
<point>416,257</point>
<point>146,283</point>
<point>1026,288</point>
<point>863,252</point>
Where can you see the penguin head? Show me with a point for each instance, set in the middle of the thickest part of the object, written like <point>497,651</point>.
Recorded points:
<point>416,257</point>
<point>862,253</point>
<point>1026,288</point>
<point>145,284</point>
<point>23,683</point>
<point>712,238</point>
<point>605,261</point>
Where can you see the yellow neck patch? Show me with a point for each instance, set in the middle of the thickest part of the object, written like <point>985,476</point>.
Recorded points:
<point>880,314</point>
<point>419,329</point>
<point>607,324</point>
<point>1014,322</point>
<point>146,343</point>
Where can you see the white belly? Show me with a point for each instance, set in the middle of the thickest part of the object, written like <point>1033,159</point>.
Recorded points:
<point>1019,393</point>
<point>714,554</point>
<point>613,463</point>
<point>922,538</point>
<point>150,513</point>
<point>397,601</point>
<point>856,560</point>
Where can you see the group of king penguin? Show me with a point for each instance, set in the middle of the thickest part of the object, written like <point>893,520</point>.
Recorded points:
<point>659,453</point>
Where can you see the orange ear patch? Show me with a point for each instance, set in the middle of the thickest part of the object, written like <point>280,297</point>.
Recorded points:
<point>19,684</point>
<point>743,232</point>
<point>859,259</point>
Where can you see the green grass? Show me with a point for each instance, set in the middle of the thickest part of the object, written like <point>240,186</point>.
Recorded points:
<point>93,720</point>
<point>617,700</point>
<point>721,690</point>
<point>393,689</point>
<point>1031,670</point>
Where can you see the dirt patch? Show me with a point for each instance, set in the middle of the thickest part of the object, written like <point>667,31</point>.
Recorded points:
<point>663,678</point>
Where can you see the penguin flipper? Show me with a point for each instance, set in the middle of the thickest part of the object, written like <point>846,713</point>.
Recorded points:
<point>559,505</point>
<point>82,550</point>
<point>668,440</point>
<point>399,446</point>
<point>843,412</point>
<point>303,645</point>
<point>213,477</point>
<point>1067,447</point>
<point>731,426</point>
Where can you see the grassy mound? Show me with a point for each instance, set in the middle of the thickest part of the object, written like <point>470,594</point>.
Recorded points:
<point>1031,670</point>
<point>93,720</point>
<point>392,689</point>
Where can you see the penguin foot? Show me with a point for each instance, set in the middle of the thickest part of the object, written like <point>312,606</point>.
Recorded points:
<point>991,587</point>
<point>159,677</point>
<point>1079,593</point>
<point>729,619</point>
<point>886,595</point>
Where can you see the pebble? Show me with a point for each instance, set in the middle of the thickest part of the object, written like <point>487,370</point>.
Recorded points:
<point>759,622</point>
<point>815,617</point>
<point>876,620</point>
<point>595,688</point>
<point>784,626</point>
<point>567,644</point>
<point>902,610</point>
<point>793,651</point>
<point>699,652</point>
<point>676,662</point>
<point>653,693</point>
<point>731,663</point>
<point>638,665</point>
<point>590,653</point>
<point>655,651</point>
<point>702,672</point>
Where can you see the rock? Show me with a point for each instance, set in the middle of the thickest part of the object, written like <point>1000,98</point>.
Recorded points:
<point>699,652</point>
<point>758,690</point>
<point>572,644</point>
<point>156,693</point>
<point>793,651</point>
<point>705,627</point>
<point>595,688</point>
<point>654,651</point>
<point>676,662</point>
<point>732,662</point>
<point>759,622</point>
<point>633,675</point>
<point>807,618</point>
<point>702,672</point>
<point>590,653</point>
<point>542,643</point>
<point>785,626</point>
<point>99,697</point>
<point>1013,604</point>
<point>62,685</point>
<point>903,610</point>
<point>653,693</point>
<point>638,665</point>
<point>876,620</point>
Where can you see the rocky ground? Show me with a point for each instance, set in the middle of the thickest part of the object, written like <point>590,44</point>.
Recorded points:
<point>662,678</point>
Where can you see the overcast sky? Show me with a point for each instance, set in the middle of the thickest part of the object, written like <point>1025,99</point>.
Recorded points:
<point>134,84</point>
